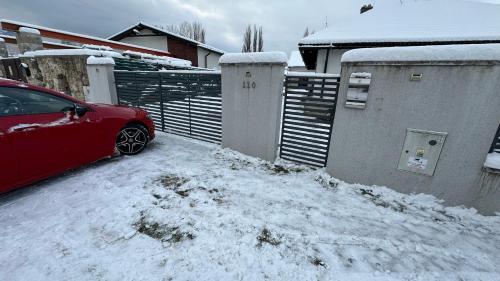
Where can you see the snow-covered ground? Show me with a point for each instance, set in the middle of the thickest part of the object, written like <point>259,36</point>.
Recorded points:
<point>187,210</point>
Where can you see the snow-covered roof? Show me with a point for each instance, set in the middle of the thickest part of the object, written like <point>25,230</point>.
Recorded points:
<point>157,29</point>
<point>159,60</point>
<point>415,21</point>
<point>97,47</point>
<point>468,52</point>
<point>210,48</point>
<point>72,52</point>
<point>33,26</point>
<point>259,57</point>
<point>295,60</point>
<point>44,41</point>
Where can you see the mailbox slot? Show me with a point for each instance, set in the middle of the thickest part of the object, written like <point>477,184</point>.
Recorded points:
<point>357,91</point>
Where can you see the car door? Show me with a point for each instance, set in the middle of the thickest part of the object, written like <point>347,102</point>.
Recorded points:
<point>8,159</point>
<point>45,133</point>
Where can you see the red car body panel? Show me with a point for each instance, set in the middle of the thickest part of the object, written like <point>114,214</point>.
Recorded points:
<point>36,146</point>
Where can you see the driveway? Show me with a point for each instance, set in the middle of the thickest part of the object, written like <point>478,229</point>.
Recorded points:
<point>187,210</point>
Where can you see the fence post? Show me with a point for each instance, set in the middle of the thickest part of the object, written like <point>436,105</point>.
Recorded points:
<point>102,88</point>
<point>252,86</point>
<point>161,104</point>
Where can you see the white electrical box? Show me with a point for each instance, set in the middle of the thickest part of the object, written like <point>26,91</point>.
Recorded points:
<point>357,90</point>
<point>421,151</point>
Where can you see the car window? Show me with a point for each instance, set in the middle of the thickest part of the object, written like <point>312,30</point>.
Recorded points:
<point>17,101</point>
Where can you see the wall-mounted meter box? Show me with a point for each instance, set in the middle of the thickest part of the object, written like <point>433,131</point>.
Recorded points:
<point>357,90</point>
<point>421,151</point>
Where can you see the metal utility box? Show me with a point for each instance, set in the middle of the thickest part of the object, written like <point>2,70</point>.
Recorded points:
<point>421,151</point>
<point>357,91</point>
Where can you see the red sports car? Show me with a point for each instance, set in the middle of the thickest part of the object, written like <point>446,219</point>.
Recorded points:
<point>44,132</point>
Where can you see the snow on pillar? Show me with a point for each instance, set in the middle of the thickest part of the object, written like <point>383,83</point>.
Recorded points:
<point>29,39</point>
<point>252,87</point>
<point>102,88</point>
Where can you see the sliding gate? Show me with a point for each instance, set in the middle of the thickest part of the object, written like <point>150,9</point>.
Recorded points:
<point>182,102</point>
<point>308,113</point>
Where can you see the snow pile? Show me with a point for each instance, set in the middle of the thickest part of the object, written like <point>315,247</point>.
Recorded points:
<point>259,57</point>
<point>159,59</point>
<point>483,52</point>
<point>413,21</point>
<point>295,60</point>
<point>29,30</point>
<point>186,210</point>
<point>2,40</point>
<point>72,52</point>
<point>97,47</point>
<point>493,161</point>
<point>100,60</point>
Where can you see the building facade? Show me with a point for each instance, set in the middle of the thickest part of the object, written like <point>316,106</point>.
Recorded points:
<point>142,34</point>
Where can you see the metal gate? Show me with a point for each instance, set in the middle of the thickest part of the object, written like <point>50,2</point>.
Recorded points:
<point>186,103</point>
<point>308,113</point>
<point>13,69</point>
<point>495,146</point>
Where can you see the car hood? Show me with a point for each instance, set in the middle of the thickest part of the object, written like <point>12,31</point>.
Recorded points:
<point>102,107</point>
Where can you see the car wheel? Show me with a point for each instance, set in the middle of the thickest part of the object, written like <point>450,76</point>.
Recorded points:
<point>132,139</point>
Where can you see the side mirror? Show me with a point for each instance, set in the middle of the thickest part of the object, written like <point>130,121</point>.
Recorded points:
<point>80,110</point>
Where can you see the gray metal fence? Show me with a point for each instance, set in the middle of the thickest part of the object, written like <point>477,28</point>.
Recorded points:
<point>308,113</point>
<point>186,103</point>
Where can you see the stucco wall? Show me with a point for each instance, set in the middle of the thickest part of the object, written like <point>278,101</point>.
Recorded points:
<point>334,57</point>
<point>155,42</point>
<point>212,59</point>
<point>462,100</point>
<point>251,114</point>
<point>67,74</point>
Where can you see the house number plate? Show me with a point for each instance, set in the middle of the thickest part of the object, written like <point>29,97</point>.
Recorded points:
<point>248,85</point>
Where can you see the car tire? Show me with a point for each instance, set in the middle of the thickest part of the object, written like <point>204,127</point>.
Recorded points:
<point>132,139</point>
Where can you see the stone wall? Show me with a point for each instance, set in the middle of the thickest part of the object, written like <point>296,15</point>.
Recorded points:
<point>66,74</point>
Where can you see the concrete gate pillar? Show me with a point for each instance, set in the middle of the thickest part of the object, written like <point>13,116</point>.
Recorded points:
<point>29,39</point>
<point>102,88</point>
<point>252,87</point>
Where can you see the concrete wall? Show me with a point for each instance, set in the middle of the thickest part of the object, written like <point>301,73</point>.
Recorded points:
<point>460,99</point>
<point>251,115</point>
<point>155,42</point>
<point>334,57</point>
<point>212,59</point>
<point>66,74</point>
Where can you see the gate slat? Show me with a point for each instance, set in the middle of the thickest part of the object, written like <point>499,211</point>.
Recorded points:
<point>308,114</point>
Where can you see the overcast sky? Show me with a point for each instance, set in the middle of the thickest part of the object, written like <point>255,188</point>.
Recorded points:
<point>283,21</point>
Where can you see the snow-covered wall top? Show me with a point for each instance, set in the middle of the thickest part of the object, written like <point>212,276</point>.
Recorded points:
<point>254,58</point>
<point>72,52</point>
<point>414,21</point>
<point>29,30</point>
<point>470,52</point>
<point>100,60</point>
